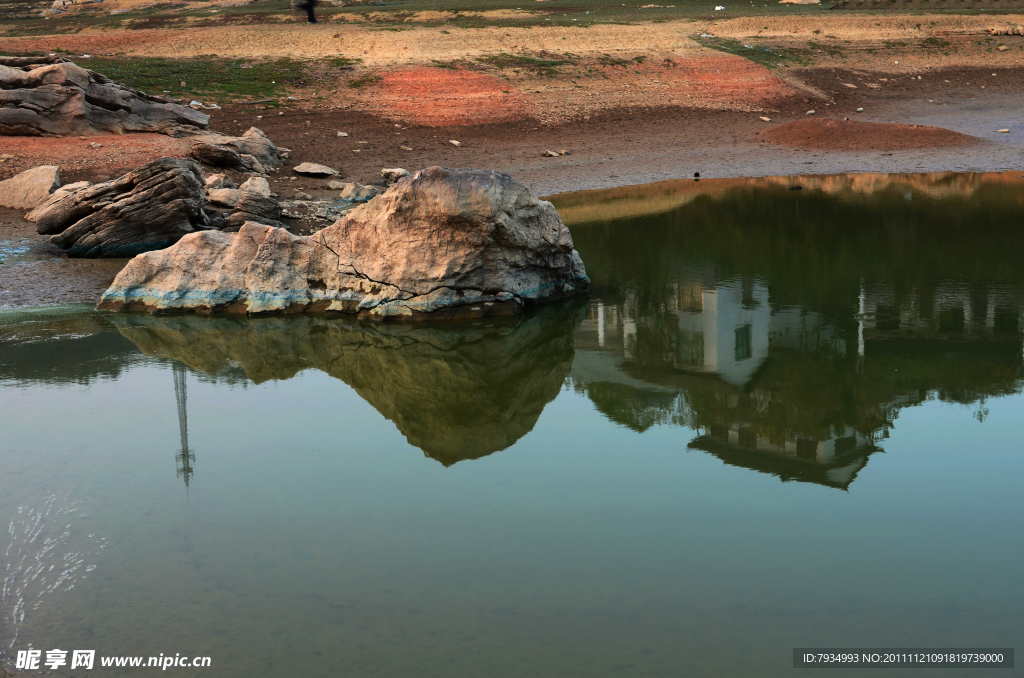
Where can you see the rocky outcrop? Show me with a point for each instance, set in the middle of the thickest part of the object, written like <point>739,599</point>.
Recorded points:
<point>251,152</point>
<point>147,209</point>
<point>64,99</point>
<point>31,188</point>
<point>456,393</point>
<point>443,243</point>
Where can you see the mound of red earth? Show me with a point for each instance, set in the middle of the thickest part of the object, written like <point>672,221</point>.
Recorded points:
<point>438,97</point>
<point>850,135</point>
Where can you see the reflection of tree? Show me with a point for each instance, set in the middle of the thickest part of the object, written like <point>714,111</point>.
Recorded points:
<point>457,392</point>
<point>186,457</point>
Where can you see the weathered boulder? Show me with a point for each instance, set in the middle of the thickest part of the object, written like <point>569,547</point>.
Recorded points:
<point>457,393</point>
<point>31,188</point>
<point>143,210</point>
<point>314,170</point>
<point>65,99</point>
<point>218,150</point>
<point>443,243</point>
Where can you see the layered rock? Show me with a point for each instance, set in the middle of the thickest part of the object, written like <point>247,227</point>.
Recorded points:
<point>150,208</point>
<point>457,393</point>
<point>251,152</point>
<point>31,188</point>
<point>442,243</point>
<point>65,99</point>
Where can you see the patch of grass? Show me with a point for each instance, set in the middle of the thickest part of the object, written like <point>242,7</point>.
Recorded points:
<point>606,60</point>
<point>342,62</point>
<point>365,81</point>
<point>769,58</point>
<point>935,43</point>
<point>831,50</point>
<point>457,65</point>
<point>547,67</point>
<point>231,79</point>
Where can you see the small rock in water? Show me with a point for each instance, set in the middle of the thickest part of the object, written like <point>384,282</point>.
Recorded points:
<point>1004,131</point>
<point>811,112</point>
<point>342,134</point>
<point>860,110</point>
<point>453,142</point>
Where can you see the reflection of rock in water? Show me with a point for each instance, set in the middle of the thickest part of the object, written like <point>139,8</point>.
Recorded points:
<point>456,392</point>
<point>45,557</point>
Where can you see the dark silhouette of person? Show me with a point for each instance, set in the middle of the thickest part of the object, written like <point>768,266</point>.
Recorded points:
<point>309,5</point>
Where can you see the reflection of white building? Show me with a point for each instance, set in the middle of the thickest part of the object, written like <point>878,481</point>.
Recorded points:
<point>723,330</point>
<point>950,310</point>
<point>700,335</point>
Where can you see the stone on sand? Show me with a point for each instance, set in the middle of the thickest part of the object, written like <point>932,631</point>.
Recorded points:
<point>314,170</point>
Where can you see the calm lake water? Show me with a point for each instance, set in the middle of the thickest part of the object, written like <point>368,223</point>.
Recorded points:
<point>781,419</point>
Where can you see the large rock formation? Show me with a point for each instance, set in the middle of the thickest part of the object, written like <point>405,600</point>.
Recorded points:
<point>442,243</point>
<point>147,209</point>
<point>251,152</point>
<point>31,188</point>
<point>65,99</point>
<point>455,392</point>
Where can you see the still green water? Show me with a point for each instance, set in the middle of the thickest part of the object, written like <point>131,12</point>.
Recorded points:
<point>782,418</point>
